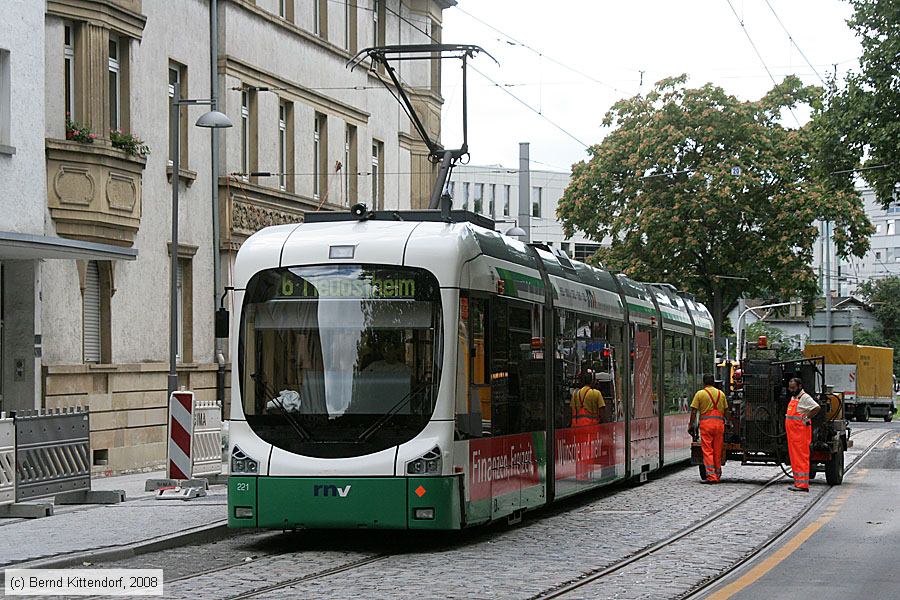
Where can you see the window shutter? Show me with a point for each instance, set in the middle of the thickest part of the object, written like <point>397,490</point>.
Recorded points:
<point>91,314</point>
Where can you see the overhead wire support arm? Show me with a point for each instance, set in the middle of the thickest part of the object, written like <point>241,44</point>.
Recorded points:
<point>384,56</point>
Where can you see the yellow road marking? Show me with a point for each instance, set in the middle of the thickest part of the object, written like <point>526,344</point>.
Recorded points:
<point>788,548</point>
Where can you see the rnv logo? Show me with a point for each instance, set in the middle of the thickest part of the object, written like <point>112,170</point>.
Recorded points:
<point>331,490</point>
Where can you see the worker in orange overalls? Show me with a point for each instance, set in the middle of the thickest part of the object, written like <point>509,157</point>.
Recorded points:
<point>586,406</point>
<point>712,405</point>
<point>797,424</point>
<point>586,402</point>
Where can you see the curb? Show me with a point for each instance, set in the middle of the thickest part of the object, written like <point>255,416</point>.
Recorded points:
<point>205,533</point>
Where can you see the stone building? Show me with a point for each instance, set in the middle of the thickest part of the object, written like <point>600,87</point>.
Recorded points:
<point>85,238</point>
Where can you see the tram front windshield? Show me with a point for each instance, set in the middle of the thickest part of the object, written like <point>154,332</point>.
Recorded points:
<point>340,361</point>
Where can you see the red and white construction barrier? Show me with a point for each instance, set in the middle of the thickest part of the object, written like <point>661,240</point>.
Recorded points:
<point>181,425</point>
<point>195,437</point>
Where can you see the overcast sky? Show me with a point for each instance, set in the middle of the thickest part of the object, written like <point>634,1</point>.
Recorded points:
<point>610,42</point>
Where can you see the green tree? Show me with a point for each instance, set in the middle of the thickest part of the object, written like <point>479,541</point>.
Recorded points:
<point>860,119</point>
<point>711,193</point>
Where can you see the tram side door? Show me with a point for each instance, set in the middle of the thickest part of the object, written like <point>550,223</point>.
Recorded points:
<point>482,416</point>
<point>644,403</point>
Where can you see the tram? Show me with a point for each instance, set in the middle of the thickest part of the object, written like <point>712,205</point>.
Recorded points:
<point>415,371</point>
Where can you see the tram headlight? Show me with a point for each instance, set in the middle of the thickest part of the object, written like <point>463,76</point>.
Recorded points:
<point>427,464</point>
<point>241,464</point>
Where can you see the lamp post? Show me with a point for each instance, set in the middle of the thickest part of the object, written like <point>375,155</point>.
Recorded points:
<point>210,120</point>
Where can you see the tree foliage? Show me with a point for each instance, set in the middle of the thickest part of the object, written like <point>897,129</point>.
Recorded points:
<point>660,188</point>
<point>861,118</point>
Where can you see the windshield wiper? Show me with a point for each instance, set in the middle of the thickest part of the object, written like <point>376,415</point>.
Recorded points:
<point>374,427</point>
<point>295,425</point>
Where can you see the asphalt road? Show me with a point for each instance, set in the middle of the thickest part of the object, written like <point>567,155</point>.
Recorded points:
<point>846,547</point>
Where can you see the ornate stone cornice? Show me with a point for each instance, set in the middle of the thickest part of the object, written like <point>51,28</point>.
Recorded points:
<point>123,16</point>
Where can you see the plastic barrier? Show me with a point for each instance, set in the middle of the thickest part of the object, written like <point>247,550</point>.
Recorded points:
<point>195,434</point>
<point>7,460</point>
<point>53,452</point>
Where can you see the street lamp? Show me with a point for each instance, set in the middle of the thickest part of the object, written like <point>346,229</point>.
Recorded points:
<point>210,120</point>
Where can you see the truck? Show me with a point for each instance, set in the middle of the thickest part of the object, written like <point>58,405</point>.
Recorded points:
<point>863,375</point>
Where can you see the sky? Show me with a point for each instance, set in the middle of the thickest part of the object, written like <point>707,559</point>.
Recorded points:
<point>570,60</point>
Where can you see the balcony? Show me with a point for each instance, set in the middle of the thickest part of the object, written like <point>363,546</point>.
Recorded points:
<point>94,191</point>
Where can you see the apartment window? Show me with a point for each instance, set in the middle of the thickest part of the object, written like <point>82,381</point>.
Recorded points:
<point>282,145</point>
<point>877,228</point>
<point>479,197</point>
<point>465,194</point>
<point>245,133</point>
<point>585,251</point>
<point>491,191</point>
<point>878,256</point>
<point>376,9</point>
<point>5,99</point>
<point>286,10</point>
<point>320,17</point>
<point>320,155</point>
<point>378,22</point>
<point>536,194</point>
<point>184,299</point>
<point>350,25</point>
<point>91,313</point>
<point>377,175</point>
<point>115,85</point>
<point>350,166</point>
<point>506,196</point>
<point>69,67</point>
<point>178,81</point>
<point>890,228</point>
<point>435,36</point>
<point>96,293</point>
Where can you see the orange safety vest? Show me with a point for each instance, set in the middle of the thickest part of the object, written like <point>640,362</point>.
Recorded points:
<point>580,414</point>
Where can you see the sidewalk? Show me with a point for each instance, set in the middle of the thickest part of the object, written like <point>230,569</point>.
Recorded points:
<point>74,530</point>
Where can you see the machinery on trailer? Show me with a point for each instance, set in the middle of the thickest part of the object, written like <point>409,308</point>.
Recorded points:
<point>758,396</point>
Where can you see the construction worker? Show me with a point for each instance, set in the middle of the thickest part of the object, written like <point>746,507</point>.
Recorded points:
<point>586,402</point>
<point>797,424</point>
<point>712,405</point>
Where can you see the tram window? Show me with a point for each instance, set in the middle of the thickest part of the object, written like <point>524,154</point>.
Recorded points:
<point>693,378</point>
<point>675,372</point>
<point>587,344</point>
<point>517,369</point>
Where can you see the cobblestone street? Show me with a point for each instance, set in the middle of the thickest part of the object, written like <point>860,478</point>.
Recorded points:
<point>550,549</point>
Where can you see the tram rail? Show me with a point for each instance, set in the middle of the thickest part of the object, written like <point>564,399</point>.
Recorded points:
<point>594,576</point>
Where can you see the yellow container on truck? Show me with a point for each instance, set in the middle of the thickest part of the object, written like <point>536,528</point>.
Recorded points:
<point>863,374</point>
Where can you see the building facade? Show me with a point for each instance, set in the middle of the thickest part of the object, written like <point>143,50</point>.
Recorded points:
<point>882,259</point>
<point>85,243</point>
<point>493,191</point>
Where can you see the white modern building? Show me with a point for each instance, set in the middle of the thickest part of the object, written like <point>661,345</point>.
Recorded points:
<point>883,258</point>
<point>493,191</point>
<point>85,217</point>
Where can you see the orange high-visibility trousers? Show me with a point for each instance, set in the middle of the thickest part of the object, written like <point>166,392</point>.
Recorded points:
<point>799,438</point>
<point>712,440</point>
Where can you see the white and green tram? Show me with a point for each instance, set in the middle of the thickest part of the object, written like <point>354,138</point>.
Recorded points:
<point>413,371</point>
